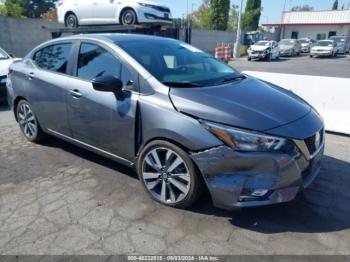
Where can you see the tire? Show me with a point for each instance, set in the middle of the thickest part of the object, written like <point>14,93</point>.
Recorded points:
<point>249,58</point>
<point>71,21</point>
<point>128,17</point>
<point>29,123</point>
<point>162,181</point>
<point>293,53</point>
<point>269,58</point>
<point>311,56</point>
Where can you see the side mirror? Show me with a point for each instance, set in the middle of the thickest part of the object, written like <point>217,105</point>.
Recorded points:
<point>107,83</point>
<point>11,55</point>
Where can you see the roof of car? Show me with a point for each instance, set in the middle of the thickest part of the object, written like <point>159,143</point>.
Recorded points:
<point>118,37</point>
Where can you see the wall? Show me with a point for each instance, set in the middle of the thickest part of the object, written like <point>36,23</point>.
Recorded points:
<point>207,40</point>
<point>18,36</point>
<point>329,95</point>
<point>312,31</point>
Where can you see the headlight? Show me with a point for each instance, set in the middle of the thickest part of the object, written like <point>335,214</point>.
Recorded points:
<point>246,141</point>
<point>146,5</point>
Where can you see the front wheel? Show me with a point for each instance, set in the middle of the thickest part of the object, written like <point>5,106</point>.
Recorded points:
<point>128,17</point>
<point>28,122</point>
<point>168,174</point>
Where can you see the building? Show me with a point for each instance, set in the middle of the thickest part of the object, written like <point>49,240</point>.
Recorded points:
<point>313,24</point>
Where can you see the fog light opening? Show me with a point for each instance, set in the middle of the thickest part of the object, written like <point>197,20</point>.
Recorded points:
<point>253,194</point>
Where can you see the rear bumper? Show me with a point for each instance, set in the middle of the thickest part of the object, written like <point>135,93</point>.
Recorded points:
<point>232,177</point>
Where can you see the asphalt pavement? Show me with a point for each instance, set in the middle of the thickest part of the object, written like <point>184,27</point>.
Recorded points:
<point>304,65</point>
<point>56,199</point>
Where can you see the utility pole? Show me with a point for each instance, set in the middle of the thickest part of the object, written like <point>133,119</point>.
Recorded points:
<point>238,37</point>
<point>188,24</point>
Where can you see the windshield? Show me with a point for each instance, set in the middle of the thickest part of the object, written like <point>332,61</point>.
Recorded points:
<point>287,42</point>
<point>304,41</point>
<point>178,64</point>
<point>263,43</point>
<point>3,55</point>
<point>338,39</point>
<point>324,43</point>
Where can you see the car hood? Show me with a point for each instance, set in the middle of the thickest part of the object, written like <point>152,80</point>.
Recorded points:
<point>323,48</point>
<point>249,103</point>
<point>305,44</point>
<point>4,66</point>
<point>149,2</point>
<point>258,47</point>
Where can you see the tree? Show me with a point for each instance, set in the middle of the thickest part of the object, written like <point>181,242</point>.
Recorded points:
<point>27,8</point>
<point>219,14</point>
<point>13,8</point>
<point>335,5</point>
<point>302,8</point>
<point>201,17</point>
<point>251,15</point>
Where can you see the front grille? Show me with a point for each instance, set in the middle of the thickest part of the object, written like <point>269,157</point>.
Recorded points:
<point>312,144</point>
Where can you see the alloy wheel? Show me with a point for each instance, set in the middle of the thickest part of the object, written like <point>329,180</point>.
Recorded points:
<point>27,121</point>
<point>166,175</point>
<point>128,18</point>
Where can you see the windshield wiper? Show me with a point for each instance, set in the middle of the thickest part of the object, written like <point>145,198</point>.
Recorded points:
<point>181,84</point>
<point>231,79</point>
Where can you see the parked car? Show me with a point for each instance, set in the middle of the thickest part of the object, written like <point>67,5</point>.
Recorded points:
<point>343,43</point>
<point>306,44</point>
<point>126,12</point>
<point>324,48</point>
<point>289,47</point>
<point>181,118</point>
<point>266,50</point>
<point>5,61</point>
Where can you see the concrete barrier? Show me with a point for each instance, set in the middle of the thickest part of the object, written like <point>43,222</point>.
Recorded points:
<point>329,95</point>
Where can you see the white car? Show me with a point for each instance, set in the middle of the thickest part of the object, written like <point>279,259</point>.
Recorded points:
<point>5,62</point>
<point>73,13</point>
<point>324,48</point>
<point>266,50</point>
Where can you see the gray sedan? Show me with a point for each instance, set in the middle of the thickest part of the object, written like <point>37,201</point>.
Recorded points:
<point>185,121</point>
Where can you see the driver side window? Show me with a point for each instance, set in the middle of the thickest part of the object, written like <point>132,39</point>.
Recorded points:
<point>96,61</point>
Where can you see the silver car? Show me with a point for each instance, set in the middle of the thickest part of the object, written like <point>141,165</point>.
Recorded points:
<point>185,121</point>
<point>343,43</point>
<point>289,47</point>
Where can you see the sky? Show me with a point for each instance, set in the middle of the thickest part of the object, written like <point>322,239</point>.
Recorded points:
<point>271,8</point>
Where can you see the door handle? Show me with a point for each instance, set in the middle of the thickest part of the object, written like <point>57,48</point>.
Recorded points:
<point>75,93</point>
<point>30,76</point>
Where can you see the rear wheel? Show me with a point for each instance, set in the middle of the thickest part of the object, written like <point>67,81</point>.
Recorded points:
<point>168,174</point>
<point>128,17</point>
<point>249,58</point>
<point>28,122</point>
<point>71,21</point>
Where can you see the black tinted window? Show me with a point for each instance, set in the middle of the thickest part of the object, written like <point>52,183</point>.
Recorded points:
<point>95,61</point>
<point>53,58</point>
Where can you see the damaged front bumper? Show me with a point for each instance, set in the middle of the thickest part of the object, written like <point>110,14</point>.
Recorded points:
<point>237,179</point>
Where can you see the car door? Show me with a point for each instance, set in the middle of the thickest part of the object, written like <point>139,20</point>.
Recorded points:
<point>105,11</point>
<point>47,81</point>
<point>84,10</point>
<point>103,120</point>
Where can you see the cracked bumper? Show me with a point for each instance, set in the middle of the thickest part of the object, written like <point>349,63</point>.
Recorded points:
<point>230,174</point>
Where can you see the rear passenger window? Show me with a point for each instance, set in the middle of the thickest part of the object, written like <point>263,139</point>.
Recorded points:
<point>95,61</point>
<point>54,58</point>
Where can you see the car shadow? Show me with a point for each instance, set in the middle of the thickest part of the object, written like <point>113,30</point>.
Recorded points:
<point>4,106</point>
<point>89,156</point>
<point>324,207</point>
